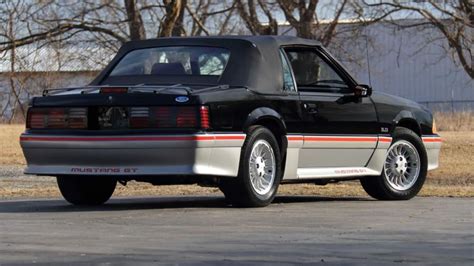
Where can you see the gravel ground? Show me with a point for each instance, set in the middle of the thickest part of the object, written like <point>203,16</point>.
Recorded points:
<point>15,185</point>
<point>14,173</point>
<point>204,230</point>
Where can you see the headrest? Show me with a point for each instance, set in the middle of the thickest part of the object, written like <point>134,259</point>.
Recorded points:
<point>168,69</point>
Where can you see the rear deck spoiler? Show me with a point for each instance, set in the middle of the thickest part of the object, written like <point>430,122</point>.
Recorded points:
<point>156,89</point>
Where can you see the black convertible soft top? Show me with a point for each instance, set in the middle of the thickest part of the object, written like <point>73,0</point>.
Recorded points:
<point>254,62</point>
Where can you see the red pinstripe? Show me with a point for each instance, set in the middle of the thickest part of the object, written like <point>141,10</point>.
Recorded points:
<point>345,139</point>
<point>164,138</point>
<point>339,139</point>
<point>432,139</point>
<point>295,138</point>
<point>385,139</point>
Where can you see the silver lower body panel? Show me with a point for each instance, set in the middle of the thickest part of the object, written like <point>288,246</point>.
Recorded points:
<point>323,157</point>
<point>206,154</point>
<point>433,147</point>
<point>200,154</point>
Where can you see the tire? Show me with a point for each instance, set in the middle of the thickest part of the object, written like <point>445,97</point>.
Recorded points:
<point>241,191</point>
<point>383,187</point>
<point>86,190</point>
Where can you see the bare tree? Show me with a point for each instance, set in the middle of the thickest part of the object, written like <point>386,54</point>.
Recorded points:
<point>178,27</point>
<point>307,23</point>
<point>210,17</point>
<point>9,32</point>
<point>107,22</point>
<point>174,9</point>
<point>454,19</point>
<point>135,21</point>
<point>90,32</point>
<point>251,15</point>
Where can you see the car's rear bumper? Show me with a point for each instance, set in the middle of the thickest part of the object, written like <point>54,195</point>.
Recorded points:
<point>433,146</point>
<point>196,154</point>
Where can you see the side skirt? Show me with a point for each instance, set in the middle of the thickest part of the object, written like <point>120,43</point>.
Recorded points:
<point>373,166</point>
<point>333,172</point>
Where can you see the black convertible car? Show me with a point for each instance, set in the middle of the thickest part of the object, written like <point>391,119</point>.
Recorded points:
<point>241,113</point>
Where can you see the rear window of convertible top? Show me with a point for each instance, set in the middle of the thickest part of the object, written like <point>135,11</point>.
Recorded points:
<point>173,60</point>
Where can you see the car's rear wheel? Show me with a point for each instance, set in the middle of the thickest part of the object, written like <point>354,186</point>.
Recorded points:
<point>404,170</point>
<point>86,190</point>
<point>259,171</point>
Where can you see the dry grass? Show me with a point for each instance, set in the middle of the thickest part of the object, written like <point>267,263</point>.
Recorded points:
<point>457,121</point>
<point>14,189</point>
<point>456,160</point>
<point>455,177</point>
<point>10,152</point>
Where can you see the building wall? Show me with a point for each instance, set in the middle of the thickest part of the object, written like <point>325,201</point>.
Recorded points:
<point>30,84</point>
<point>412,63</point>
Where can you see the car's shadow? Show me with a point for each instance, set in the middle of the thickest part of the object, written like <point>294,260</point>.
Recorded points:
<point>120,204</point>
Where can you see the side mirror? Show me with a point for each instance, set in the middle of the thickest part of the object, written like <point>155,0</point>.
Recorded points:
<point>362,90</point>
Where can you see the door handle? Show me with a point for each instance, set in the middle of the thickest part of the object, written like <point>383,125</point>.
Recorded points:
<point>311,108</point>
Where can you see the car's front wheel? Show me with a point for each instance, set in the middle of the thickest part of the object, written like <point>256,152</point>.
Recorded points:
<point>259,172</point>
<point>404,170</point>
<point>86,190</point>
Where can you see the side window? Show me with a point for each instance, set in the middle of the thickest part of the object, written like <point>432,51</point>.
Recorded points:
<point>312,73</point>
<point>288,81</point>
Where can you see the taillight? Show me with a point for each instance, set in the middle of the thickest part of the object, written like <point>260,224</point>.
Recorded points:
<point>77,118</point>
<point>186,117</point>
<point>139,117</point>
<point>57,118</point>
<point>169,117</point>
<point>163,117</point>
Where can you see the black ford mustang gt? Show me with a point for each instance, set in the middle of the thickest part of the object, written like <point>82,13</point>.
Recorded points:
<point>241,113</point>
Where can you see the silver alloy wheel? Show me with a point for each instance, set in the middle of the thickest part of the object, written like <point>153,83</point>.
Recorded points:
<point>262,167</point>
<point>402,165</point>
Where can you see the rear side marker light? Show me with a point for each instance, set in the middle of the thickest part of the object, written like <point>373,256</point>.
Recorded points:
<point>204,113</point>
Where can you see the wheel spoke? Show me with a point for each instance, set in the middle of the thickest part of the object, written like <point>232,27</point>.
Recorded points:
<point>402,165</point>
<point>262,167</point>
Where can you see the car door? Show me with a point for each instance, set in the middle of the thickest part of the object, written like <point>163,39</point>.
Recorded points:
<point>339,129</point>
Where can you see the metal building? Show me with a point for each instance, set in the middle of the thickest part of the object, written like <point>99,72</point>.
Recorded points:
<point>413,63</point>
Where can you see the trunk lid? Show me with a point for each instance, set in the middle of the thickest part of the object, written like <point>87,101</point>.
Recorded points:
<point>136,96</point>
<point>137,107</point>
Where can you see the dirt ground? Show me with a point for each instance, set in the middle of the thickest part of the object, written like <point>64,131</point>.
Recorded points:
<point>454,177</point>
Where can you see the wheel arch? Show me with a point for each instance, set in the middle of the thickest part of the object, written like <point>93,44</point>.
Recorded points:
<point>265,116</point>
<point>271,119</point>
<point>406,119</point>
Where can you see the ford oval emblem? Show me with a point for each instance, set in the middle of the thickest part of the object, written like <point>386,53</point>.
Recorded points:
<point>181,99</point>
